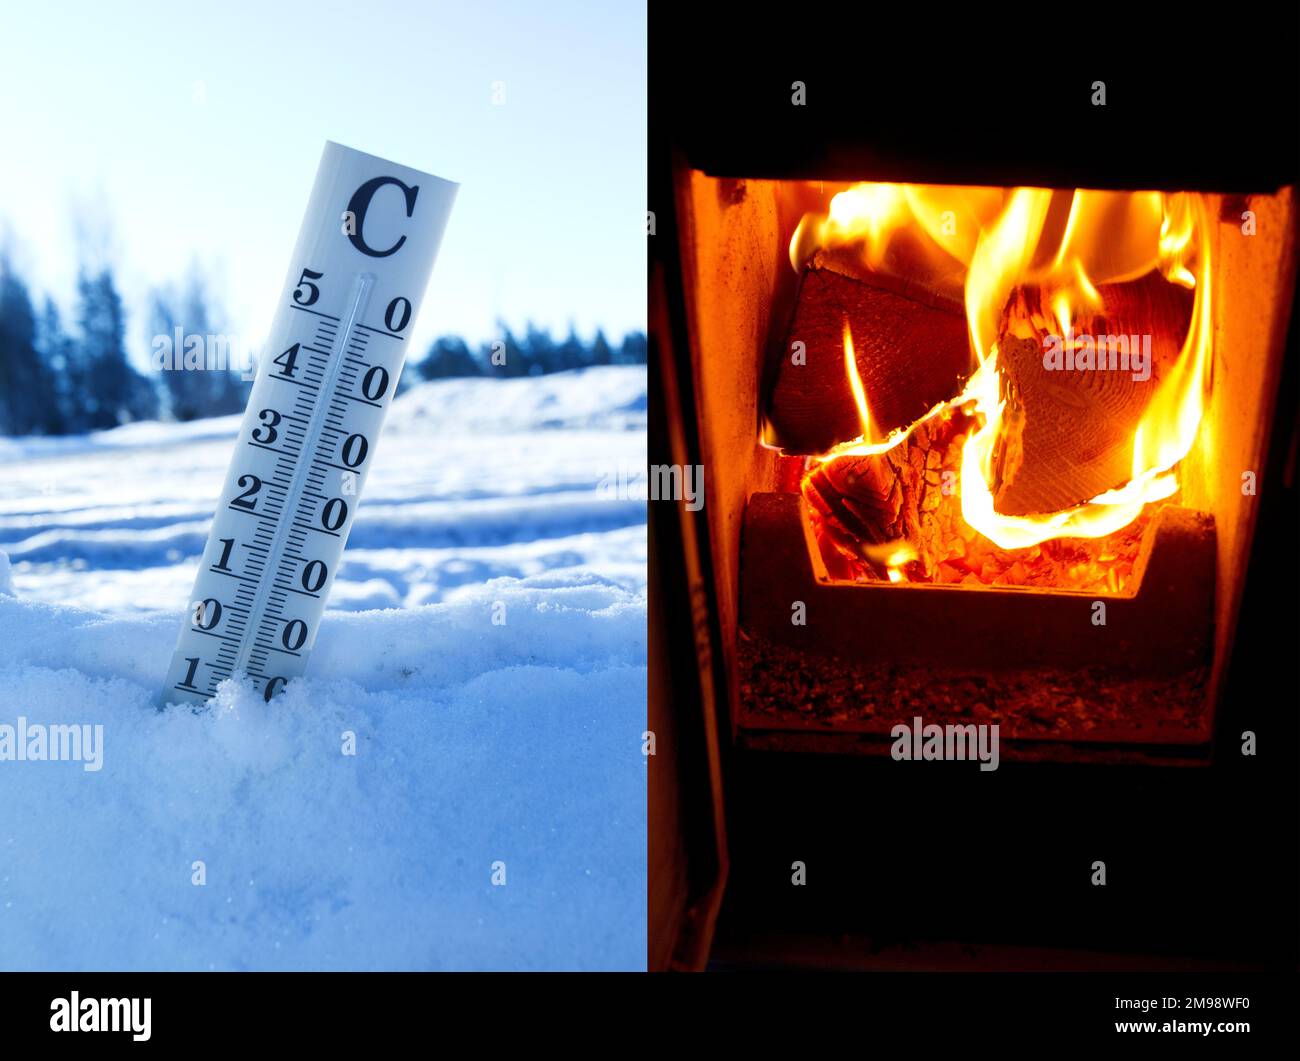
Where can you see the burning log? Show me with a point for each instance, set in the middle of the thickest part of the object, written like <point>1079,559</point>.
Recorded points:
<point>897,515</point>
<point>887,510</point>
<point>1069,423</point>
<point>910,344</point>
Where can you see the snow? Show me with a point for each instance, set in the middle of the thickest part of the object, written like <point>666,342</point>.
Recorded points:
<point>476,742</point>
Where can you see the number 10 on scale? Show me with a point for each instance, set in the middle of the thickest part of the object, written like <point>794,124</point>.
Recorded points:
<point>309,435</point>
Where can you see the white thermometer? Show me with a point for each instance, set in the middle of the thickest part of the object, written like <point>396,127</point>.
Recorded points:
<point>308,439</point>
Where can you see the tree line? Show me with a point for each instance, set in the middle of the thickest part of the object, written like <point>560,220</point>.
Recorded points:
<point>70,376</point>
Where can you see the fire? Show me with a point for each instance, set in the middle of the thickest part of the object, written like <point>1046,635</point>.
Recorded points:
<point>903,229</point>
<point>866,442</point>
<point>893,556</point>
<point>855,384</point>
<point>1108,237</point>
<point>1065,246</point>
<point>1097,518</point>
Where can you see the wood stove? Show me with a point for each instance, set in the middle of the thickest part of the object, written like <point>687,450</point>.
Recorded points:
<point>917,503</point>
<point>968,622</point>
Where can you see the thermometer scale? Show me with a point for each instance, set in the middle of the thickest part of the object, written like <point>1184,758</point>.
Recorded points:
<point>308,438</point>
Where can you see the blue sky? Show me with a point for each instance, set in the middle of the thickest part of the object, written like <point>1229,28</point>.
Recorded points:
<point>195,130</point>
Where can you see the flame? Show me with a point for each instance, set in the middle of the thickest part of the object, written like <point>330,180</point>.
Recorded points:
<point>868,212</point>
<point>1101,516</point>
<point>1107,237</point>
<point>855,384</point>
<point>864,444</point>
<point>893,556</point>
<point>1065,244</point>
<point>904,229</point>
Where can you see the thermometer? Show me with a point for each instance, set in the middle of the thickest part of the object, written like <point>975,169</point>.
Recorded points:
<point>309,434</point>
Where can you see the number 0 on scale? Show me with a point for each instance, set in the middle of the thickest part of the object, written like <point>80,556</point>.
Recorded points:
<point>309,434</point>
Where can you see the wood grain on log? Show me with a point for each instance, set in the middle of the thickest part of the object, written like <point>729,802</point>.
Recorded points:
<point>1067,435</point>
<point>895,497</point>
<point>911,350</point>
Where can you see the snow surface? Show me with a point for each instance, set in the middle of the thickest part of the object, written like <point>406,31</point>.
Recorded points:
<point>475,743</point>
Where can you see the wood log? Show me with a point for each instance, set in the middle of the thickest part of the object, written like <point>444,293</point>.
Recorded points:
<point>1067,435</point>
<point>870,505</point>
<point>910,344</point>
<point>868,509</point>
